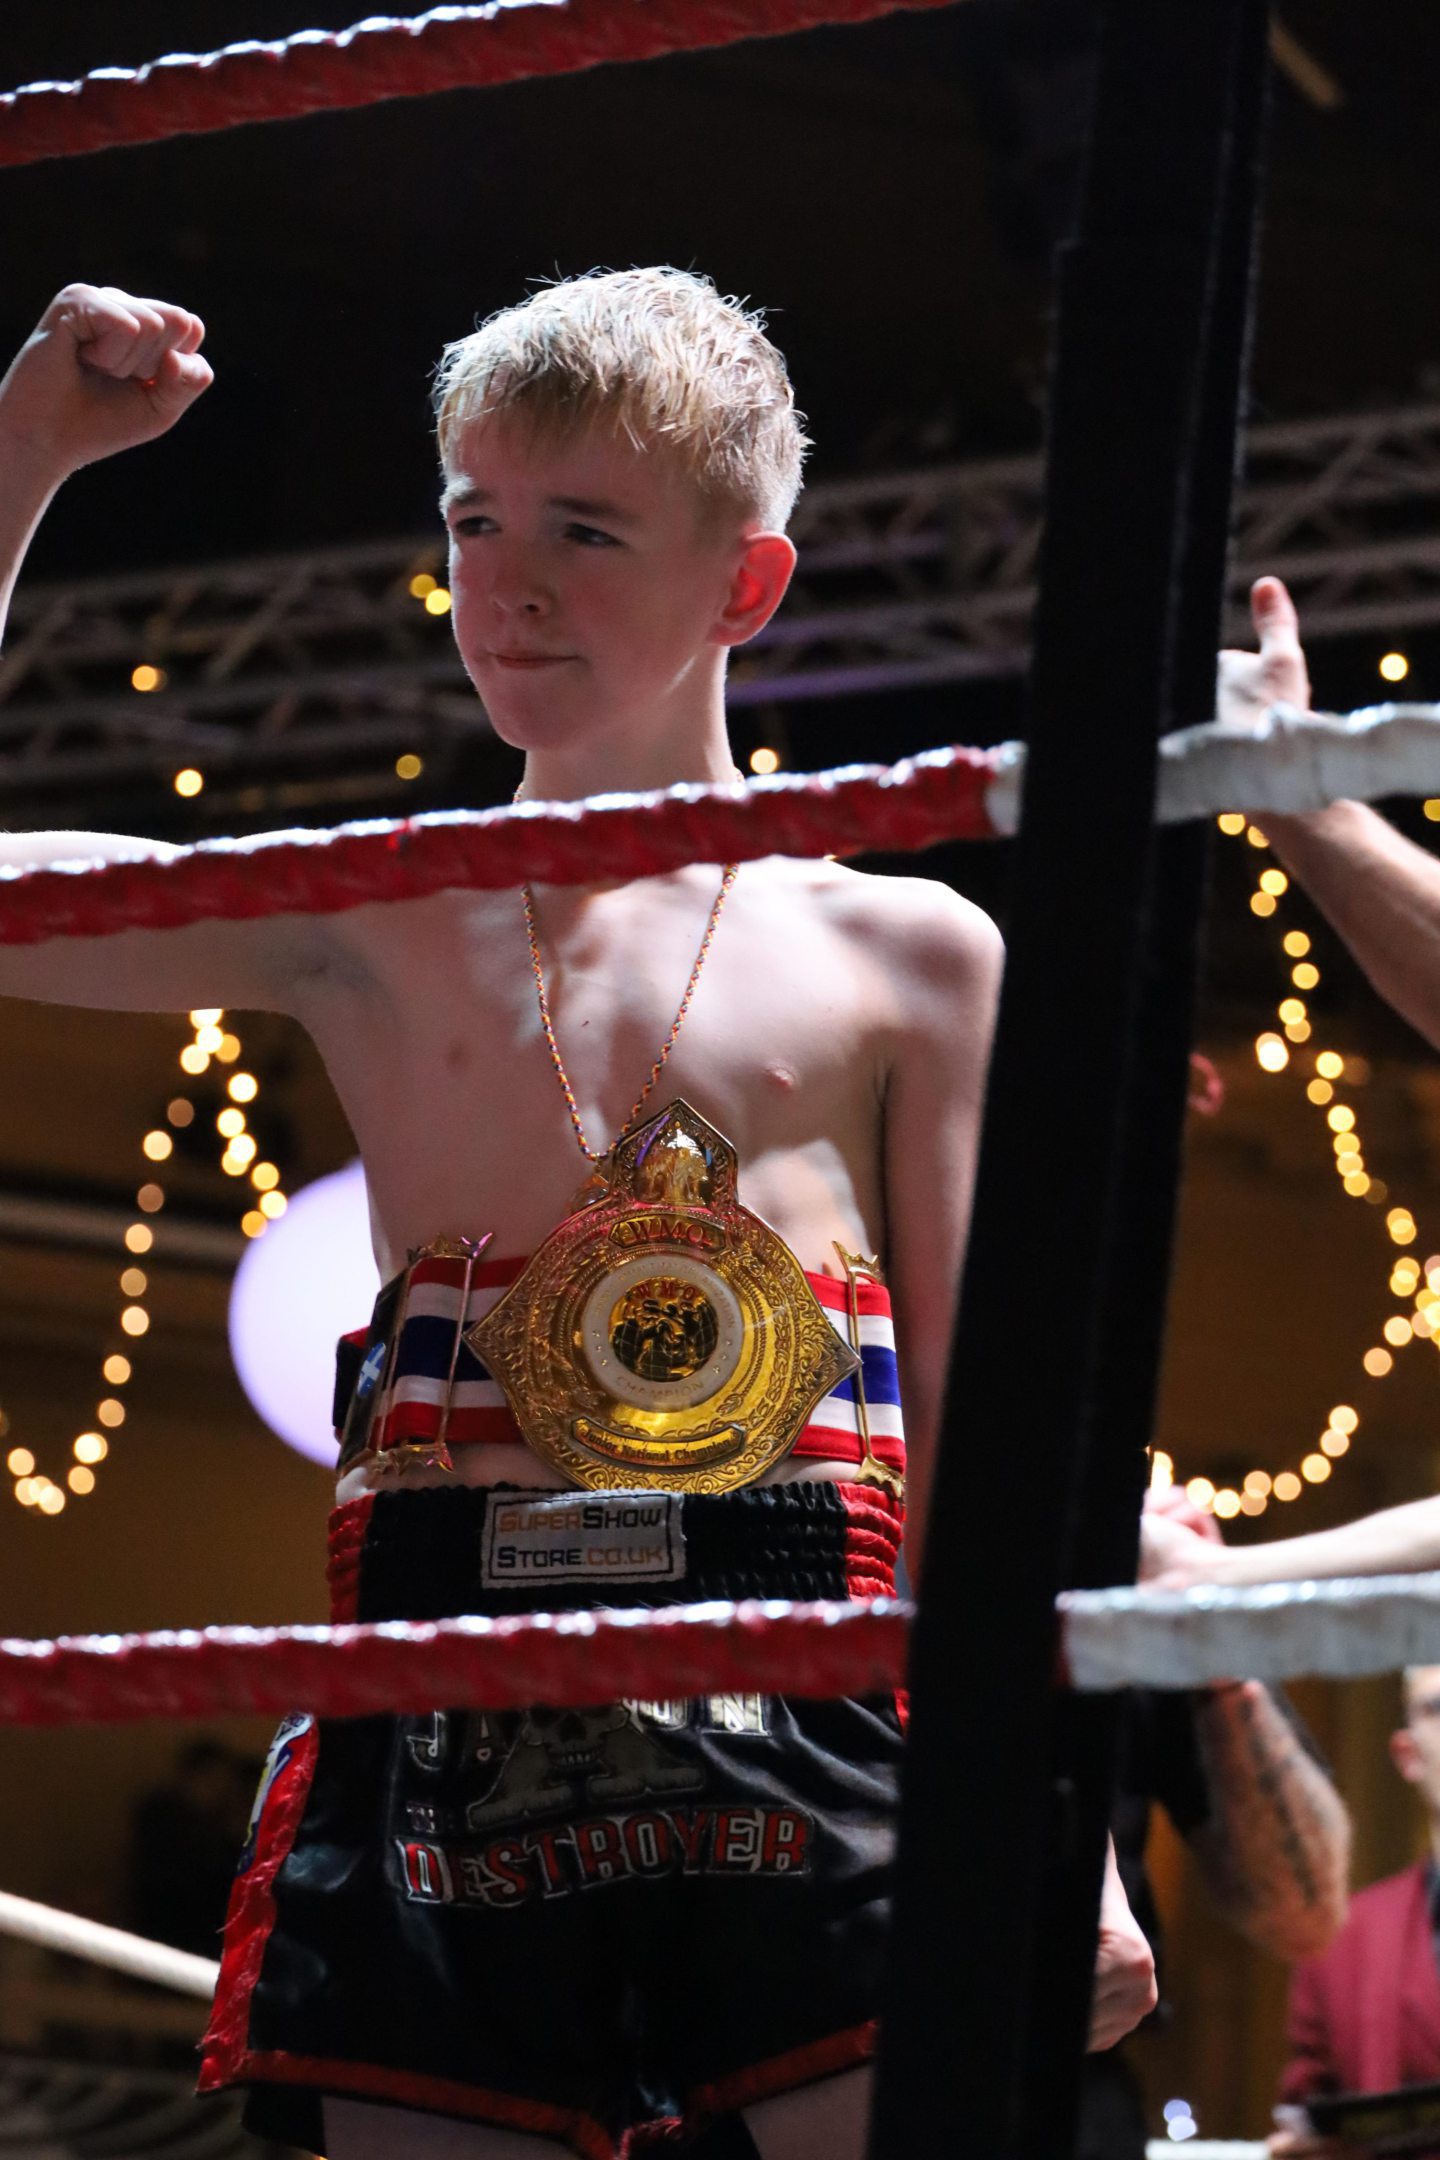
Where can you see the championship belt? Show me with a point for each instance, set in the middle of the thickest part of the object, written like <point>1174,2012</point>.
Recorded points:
<point>663,1335</point>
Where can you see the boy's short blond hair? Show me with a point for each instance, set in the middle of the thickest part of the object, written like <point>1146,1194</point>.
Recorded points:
<point>656,354</point>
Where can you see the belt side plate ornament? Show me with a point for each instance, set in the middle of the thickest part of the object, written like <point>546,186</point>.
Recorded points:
<point>663,1334</point>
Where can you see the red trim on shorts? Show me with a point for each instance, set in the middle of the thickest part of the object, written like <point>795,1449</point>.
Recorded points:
<point>431,2095</point>
<point>345,1543</point>
<point>251,1913</point>
<point>874,1526</point>
<point>782,2073</point>
<point>584,2135</point>
<point>871,1551</point>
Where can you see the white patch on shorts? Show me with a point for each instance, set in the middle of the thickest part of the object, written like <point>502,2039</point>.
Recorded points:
<point>582,1538</point>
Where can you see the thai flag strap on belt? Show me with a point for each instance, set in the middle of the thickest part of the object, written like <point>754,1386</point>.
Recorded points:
<point>428,1363</point>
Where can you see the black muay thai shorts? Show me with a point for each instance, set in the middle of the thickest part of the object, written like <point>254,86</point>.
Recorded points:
<point>610,1927</point>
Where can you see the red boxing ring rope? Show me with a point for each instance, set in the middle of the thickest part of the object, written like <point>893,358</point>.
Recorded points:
<point>383,57</point>
<point>577,1659</point>
<point>855,810</point>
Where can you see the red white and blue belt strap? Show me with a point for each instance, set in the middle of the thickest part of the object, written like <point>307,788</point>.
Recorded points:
<point>386,1400</point>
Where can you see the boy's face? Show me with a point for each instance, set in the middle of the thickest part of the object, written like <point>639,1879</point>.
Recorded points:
<point>589,595</point>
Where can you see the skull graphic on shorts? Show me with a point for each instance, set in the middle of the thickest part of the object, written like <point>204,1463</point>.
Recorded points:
<point>565,1758</point>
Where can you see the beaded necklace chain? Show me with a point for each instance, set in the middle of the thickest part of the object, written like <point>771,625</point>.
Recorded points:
<point>594,1155</point>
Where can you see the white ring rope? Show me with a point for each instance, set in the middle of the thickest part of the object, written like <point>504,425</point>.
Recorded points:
<point>74,1937</point>
<point>1291,761</point>
<point>1273,1631</point>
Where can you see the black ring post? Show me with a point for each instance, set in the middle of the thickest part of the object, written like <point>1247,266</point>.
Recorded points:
<point>1004,1802</point>
<point>1131,1321</point>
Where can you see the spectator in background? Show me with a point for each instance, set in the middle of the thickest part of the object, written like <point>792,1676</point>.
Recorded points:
<point>1365,2017</point>
<point>183,1842</point>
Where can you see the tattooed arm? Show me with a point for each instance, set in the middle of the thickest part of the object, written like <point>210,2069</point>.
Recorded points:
<point>1275,1851</point>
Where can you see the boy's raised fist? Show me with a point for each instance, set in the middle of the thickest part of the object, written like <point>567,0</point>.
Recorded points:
<point>101,372</point>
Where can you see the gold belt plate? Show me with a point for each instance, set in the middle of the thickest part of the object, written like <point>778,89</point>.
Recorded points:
<point>663,1335</point>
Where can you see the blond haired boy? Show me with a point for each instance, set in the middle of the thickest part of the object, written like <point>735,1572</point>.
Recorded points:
<point>565,1931</point>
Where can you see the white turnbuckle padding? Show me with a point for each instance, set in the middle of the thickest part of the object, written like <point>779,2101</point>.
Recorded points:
<point>1291,762</point>
<point>1273,1631</point>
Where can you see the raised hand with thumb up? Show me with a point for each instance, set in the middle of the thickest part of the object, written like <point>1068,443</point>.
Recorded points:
<point>1251,682</point>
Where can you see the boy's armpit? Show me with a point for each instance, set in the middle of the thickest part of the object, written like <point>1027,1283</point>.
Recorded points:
<point>250,966</point>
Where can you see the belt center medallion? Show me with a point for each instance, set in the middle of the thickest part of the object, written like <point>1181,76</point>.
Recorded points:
<point>663,1334</point>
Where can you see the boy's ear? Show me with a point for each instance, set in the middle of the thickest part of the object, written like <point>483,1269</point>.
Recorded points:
<point>757,586</point>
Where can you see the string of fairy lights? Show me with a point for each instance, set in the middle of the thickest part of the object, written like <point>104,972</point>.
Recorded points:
<point>1277,1052</point>
<point>1332,1082</point>
<point>211,1044</point>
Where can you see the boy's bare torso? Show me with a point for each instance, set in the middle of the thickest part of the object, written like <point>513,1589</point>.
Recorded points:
<point>428,1019</point>
<point>429,1022</point>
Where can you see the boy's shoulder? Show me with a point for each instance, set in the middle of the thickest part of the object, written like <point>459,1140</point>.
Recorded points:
<point>922,923</point>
